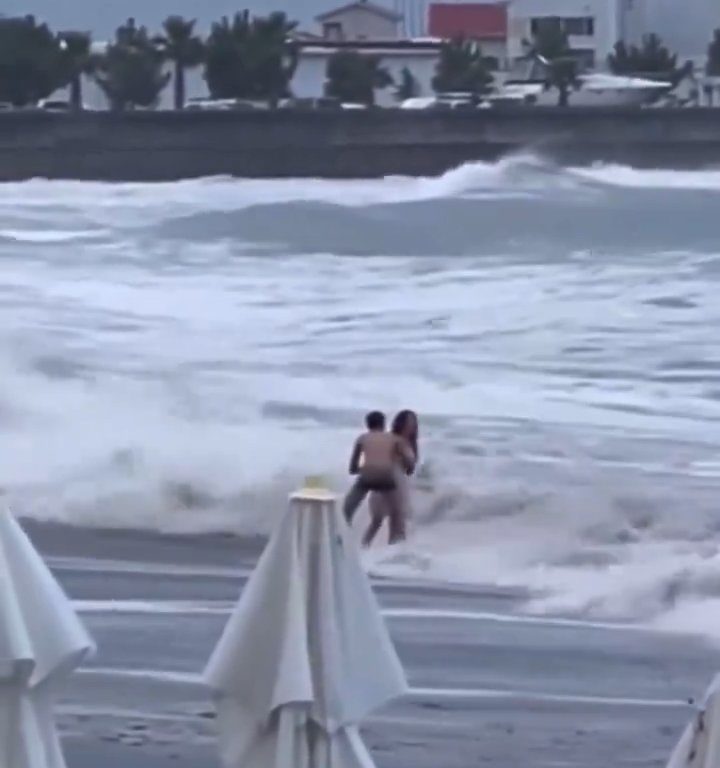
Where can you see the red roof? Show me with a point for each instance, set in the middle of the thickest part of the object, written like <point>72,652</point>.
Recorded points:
<point>474,21</point>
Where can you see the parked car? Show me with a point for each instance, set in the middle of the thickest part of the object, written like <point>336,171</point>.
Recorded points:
<point>55,105</point>
<point>324,102</point>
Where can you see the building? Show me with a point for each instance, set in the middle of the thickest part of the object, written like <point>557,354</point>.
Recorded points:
<point>484,23</point>
<point>686,28</point>
<point>420,57</point>
<point>359,21</point>
<point>593,26</point>
<point>368,28</point>
<point>415,16</point>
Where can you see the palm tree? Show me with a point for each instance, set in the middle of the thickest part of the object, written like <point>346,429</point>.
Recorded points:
<point>462,68</point>
<point>184,48</point>
<point>30,61</point>
<point>354,77</point>
<point>78,60</point>
<point>650,59</point>
<point>251,58</point>
<point>551,48</point>
<point>130,72</point>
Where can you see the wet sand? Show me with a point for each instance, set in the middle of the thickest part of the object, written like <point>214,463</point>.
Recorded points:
<point>490,686</point>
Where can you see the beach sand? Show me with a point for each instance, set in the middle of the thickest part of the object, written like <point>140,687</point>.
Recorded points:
<point>490,686</point>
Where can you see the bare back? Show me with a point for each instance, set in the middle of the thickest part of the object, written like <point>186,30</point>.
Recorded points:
<point>380,452</point>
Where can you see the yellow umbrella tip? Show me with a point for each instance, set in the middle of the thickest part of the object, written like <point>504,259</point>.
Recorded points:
<point>314,482</point>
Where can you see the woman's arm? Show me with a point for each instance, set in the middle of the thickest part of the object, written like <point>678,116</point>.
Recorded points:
<point>406,454</point>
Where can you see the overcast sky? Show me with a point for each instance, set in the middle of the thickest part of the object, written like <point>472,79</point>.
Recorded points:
<point>685,24</point>
<point>102,17</point>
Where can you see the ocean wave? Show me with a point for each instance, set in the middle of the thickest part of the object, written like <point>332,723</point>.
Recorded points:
<point>513,175</point>
<point>170,376</point>
<point>633,178</point>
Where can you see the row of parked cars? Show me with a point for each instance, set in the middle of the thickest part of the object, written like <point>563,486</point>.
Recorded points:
<point>48,105</point>
<point>448,101</point>
<point>442,101</point>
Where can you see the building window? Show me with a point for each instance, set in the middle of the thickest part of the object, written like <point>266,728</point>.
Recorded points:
<point>582,26</point>
<point>332,30</point>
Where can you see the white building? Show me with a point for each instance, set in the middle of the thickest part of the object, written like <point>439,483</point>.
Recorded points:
<point>420,57</point>
<point>359,21</point>
<point>685,27</point>
<point>593,26</point>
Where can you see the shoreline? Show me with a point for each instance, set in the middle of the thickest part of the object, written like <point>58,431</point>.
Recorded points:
<point>219,556</point>
<point>487,683</point>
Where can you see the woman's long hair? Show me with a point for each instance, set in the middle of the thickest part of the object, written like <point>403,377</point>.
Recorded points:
<point>400,423</point>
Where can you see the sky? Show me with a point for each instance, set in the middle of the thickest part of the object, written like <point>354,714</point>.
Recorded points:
<point>685,24</point>
<point>102,17</point>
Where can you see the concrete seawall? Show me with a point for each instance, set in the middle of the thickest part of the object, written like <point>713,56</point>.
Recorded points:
<point>163,146</point>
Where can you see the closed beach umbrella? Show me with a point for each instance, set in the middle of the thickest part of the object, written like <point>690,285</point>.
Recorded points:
<point>306,654</point>
<point>41,642</point>
<point>699,745</point>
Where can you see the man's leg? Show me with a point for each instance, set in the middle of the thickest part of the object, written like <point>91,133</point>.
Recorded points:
<point>378,513</point>
<point>355,497</point>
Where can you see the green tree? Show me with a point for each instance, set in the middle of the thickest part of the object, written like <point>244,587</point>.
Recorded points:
<point>712,65</point>
<point>30,61</point>
<point>551,47</point>
<point>251,58</point>
<point>130,72</point>
<point>462,68</point>
<point>354,77</point>
<point>184,49</point>
<point>77,60</point>
<point>408,87</point>
<point>651,59</point>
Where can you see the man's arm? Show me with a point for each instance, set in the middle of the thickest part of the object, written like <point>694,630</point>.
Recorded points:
<point>354,468</point>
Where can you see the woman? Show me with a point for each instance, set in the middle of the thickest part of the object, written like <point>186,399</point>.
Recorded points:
<point>406,426</point>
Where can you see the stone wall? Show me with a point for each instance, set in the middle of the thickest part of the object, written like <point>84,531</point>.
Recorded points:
<point>154,146</point>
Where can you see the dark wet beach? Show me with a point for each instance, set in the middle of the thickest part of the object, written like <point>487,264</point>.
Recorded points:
<point>489,686</point>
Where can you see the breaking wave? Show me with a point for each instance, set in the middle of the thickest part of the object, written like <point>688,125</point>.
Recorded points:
<point>176,357</point>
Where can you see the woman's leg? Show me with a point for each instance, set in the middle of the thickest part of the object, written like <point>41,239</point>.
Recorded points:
<point>396,517</point>
<point>399,521</point>
<point>372,531</point>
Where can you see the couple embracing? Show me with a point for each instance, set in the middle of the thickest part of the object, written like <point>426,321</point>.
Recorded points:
<point>383,462</point>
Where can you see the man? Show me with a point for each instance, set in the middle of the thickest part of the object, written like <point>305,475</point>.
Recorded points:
<point>375,455</point>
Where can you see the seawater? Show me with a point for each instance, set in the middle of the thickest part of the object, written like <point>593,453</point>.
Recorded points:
<point>178,356</point>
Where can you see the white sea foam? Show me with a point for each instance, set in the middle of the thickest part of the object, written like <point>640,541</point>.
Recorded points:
<point>140,203</point>
<point>47,236</point>
<point>563,355</point>
<point>632,178</point>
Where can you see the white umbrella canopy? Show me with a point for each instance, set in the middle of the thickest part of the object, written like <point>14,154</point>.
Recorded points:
<point>41,642</point>
<point>699,745</point>
<point>306,654</point>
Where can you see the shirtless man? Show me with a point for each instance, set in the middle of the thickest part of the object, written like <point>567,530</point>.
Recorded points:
<point>380,452</point>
